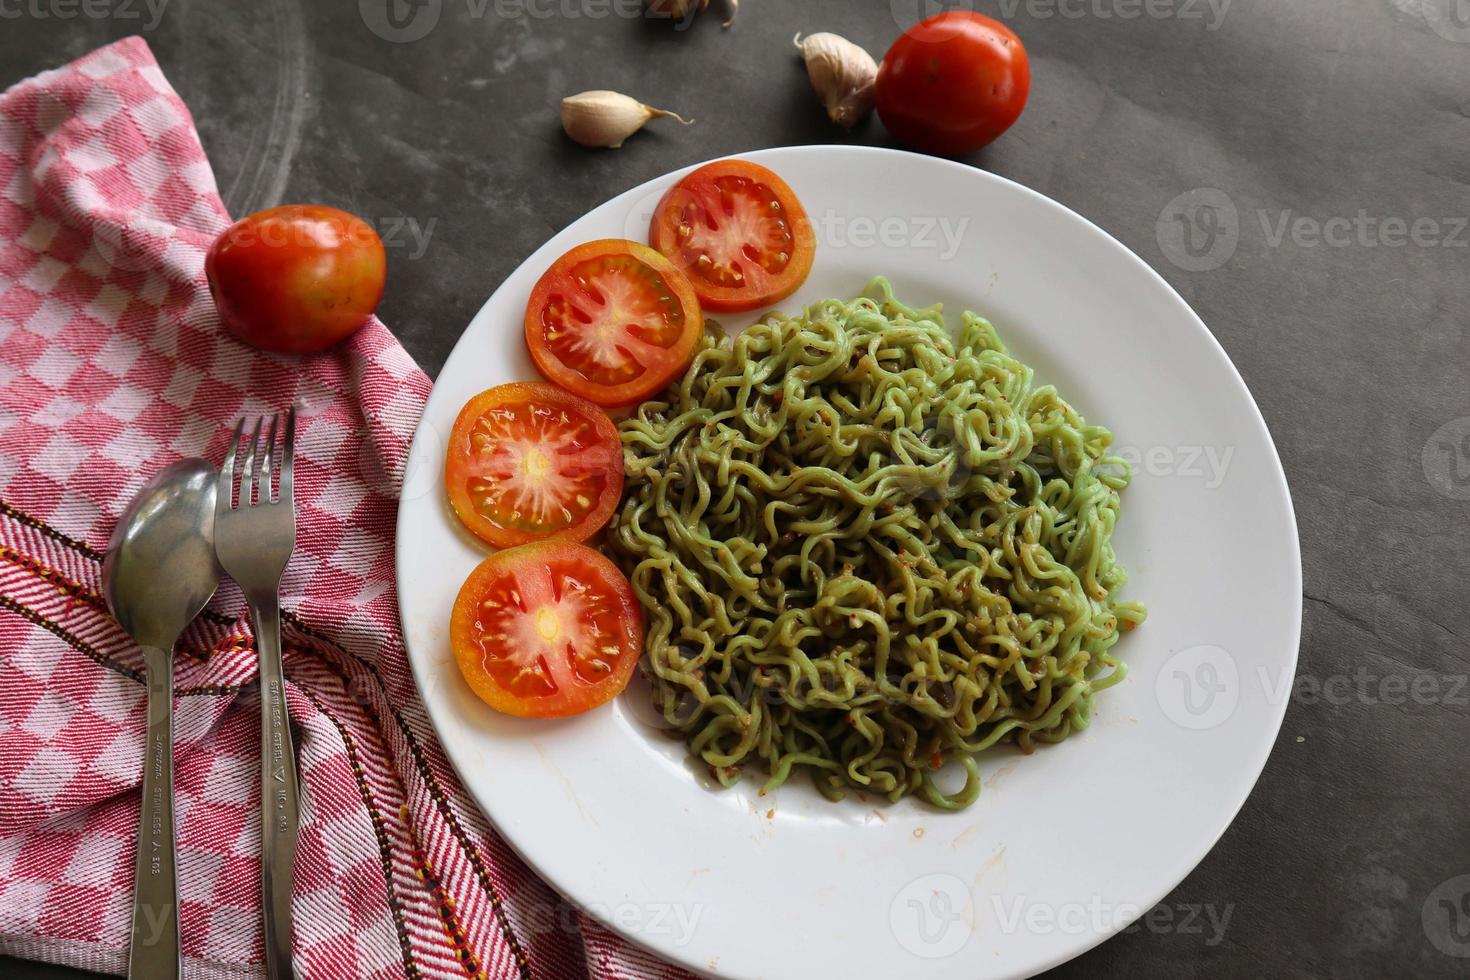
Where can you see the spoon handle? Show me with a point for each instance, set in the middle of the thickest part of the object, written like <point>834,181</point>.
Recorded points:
<point>155,943</point>
<point>279,802</point>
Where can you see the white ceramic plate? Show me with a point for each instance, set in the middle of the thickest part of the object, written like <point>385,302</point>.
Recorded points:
<point>1065,847</point>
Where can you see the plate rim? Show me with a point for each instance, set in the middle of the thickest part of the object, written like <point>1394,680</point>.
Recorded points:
<point>1069,946</point>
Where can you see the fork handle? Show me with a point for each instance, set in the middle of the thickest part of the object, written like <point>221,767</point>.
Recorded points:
<point>154,949</point>
<point>278,790</point>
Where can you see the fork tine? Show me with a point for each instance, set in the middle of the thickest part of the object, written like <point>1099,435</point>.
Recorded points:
<point>288,453</point>
<point>247,474</point>
<point>269,451</point>
<point>224,494</point>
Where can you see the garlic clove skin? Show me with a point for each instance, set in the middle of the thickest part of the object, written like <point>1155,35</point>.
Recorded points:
<point>842,75</point>
<point>600,118</point>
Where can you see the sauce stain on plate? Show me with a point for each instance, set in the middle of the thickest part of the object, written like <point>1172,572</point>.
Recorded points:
<point>996,860</point>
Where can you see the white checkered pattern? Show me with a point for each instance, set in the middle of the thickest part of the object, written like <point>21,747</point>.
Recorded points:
<point>112,364</point>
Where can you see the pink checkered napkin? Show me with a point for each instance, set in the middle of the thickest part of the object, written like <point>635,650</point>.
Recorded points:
<point>112,364</point>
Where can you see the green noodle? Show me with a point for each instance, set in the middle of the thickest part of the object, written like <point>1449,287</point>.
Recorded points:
<point>865,548</point>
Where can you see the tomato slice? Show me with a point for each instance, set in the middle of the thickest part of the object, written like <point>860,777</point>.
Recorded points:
<point>546,630</point>
<point>613,321</point>
<point>530,461</point>
<point>738,232</point>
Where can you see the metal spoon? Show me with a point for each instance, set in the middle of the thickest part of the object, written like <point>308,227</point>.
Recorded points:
<point>159,573</point>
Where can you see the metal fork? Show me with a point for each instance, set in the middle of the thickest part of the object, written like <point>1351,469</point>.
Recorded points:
<point>253,539</point>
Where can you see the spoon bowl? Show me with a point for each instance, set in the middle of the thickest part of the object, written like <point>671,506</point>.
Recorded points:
<point>160,569</point>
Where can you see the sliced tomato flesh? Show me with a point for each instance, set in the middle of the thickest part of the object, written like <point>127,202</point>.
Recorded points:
<point>733,225</point>
<point>612,321</point>
<point>530,461</point>
<point>614,318</point>
<point>738,231</point>
<point>546,630</point>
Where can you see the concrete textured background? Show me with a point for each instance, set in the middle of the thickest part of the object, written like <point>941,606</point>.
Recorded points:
<point>1315,152</point>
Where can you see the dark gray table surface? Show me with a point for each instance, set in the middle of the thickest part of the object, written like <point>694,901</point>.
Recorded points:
<point>1322,148</point>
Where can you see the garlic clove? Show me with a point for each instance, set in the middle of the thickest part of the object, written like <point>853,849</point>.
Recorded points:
<point>842,74</point>
<point>600,118</point>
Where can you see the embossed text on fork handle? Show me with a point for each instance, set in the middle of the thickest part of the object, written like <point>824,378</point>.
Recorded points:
<point>154,951</point>
<point>278,790</point>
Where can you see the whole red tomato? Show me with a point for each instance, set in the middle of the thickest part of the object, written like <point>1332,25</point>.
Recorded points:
<point>297,278</point>
<point>952,83</point>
